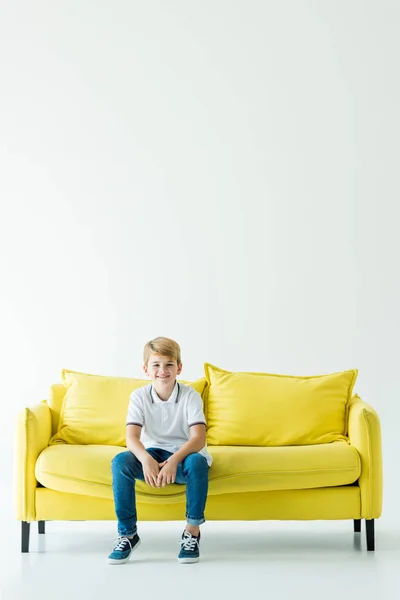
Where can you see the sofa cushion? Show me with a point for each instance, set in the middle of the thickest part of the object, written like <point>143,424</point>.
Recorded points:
<point>95,407</point>
<point>86,470</point>
<point>263,409</point>
<point>55,402</point>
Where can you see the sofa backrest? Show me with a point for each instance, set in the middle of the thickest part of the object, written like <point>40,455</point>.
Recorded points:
<point>267,409</point>
<point>92,409</point>
<point>248,408</point>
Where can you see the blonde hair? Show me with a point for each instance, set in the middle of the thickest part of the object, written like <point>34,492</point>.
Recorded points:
<point>163,346</point>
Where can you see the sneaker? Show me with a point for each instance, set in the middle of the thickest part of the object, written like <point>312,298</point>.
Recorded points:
<point>123,548</point>
<point>190,550</point>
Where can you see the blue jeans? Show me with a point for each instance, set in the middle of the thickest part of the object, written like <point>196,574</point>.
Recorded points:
<point>126,468</point>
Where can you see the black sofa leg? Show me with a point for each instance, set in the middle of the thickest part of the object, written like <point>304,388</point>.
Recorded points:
<point>357,525</point>
<point>25,529</point>
<point>370,534</point>
<point>41,526</point>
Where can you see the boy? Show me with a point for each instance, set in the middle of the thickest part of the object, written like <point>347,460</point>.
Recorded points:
<point>166,440</point>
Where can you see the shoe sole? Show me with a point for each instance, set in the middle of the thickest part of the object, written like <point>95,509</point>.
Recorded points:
<point>188,560</point>
<point>122,561</point>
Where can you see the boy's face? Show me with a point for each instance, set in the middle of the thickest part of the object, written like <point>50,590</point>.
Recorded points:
<point>162,369</point>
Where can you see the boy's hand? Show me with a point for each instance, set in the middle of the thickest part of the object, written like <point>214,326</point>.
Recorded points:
<point>151,470</point>
<point>167,472</point>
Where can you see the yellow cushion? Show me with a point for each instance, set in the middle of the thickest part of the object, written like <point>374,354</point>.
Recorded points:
<point>263,409</point>
<point>94,408</point>
<point>86,470</point>
<point>55,401</point>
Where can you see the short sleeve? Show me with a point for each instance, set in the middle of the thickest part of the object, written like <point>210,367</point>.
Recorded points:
<point>135,411</point>
<point>195,412</point>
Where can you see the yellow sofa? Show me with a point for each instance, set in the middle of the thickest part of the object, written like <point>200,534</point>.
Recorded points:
<point>283,448</point>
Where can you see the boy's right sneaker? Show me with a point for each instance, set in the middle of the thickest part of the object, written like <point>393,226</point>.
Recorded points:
<point>190,551</point>
<point>123,548</point>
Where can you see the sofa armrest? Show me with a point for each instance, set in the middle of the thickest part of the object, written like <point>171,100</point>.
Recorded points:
<point>365,435</point>
<point>32,435</point>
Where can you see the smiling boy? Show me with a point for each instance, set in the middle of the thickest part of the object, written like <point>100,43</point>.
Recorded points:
<point>166,441</point>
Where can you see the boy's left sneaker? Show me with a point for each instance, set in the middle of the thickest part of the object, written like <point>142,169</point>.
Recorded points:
<point>190,550</point>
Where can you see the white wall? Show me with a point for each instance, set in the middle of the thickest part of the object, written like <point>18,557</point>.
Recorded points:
<point>219,172</point>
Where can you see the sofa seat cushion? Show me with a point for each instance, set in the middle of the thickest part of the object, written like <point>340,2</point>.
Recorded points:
<point>252,468</point>
<point>86,470</point>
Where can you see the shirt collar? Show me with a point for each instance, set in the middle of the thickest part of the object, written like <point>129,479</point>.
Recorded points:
<point>171,400</point>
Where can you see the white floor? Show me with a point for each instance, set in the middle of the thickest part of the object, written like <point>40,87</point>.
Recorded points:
<point>279,560</point>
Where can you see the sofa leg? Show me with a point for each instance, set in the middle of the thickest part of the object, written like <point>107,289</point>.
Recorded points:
<point>370,534</point>
<point>25,529</point>
<point>41,526</point>
<point>357,525</point>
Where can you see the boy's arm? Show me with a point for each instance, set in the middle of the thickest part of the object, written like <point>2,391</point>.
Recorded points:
<point>197,427</point>
<point>197,442</point>
<point>151,467</point>
<point>134,423</point>
<point>134,444</point>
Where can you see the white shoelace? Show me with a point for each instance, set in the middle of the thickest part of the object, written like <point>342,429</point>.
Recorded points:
<point>119,543</point>
<point>189,542</point>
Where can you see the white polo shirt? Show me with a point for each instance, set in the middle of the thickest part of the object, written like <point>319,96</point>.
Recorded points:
<point>166,423</point>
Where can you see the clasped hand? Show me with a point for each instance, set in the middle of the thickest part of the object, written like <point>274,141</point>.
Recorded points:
<point>159,474</point>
